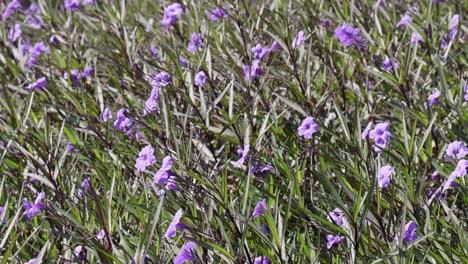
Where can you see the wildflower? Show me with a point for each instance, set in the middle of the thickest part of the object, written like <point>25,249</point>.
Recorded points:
<point>217,13</point>
<point>459,172</point>
<point>154,53</point>
<point>416,38</point>
<point>15,32</point>
<point>435,176</point>
<point>171,14</point>
<point>261,260</point>
<point>405,19</point>
<point>308,127</point>
<point>85,186</point>
<point>183,62</point>
<point>456,150</point>
<point>251,72</point>
<point>200,79</point>
<point>388,64</point>
<point>260,52</point>
<point>381,135</point>
<point>151,103</point>
<point>348,35</point>
<point>33,17</point>
<point>71,148</point>
<point>261,169</point>
<point>79,253</point>
<point>11,8</point>
<point>275,47</point>
<point>365,133</point>
<point>145,158</point>
<point>466,92</point>
<point>162,79</point>
<point>243,152</point>
<point>106,114</point>
<point>410,232</point>
<point>122,122</point>
<point>336,216</point>
<point>74,76</point>
<point>195,43</point>
<point>186,253</point>
<point>38,49</point>
<point>33,261</point>
<point>453,30</point>
<point>101,234</point>
<point>333,240</point>
<point>33,209</point>
<point>3,212</point>
<point>87,72</point>
<point>258,210</point>
<point>71,4</point>
<point>149,25</point>
<point>298,40</point>
<point>433,98</point>
<point>175,224</point>
<point>38,84</point>
<point>265,229</point>
<point>162,175</point>
<point>383,177</point>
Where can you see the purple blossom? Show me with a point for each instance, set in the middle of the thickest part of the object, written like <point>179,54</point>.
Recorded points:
<point>217,13</point>
<point>265,229</point>
<point>38,84</point>
<point>186,253</point>
<point>106,114</point>
<point>145,158</point>
<point>183,62</point>
<point>38,49</point>
<point>258,210</point>
<point>74,76</point>
<point>32,261</point>
<point>383,176</point>
<point>12,7</point>
<point>171,14</point>
<point>381,135</point>
<point>261,260</point>
<point>261,169</point>
<point>151,103</point>
<point>243,152</point>
<point>71,148</point>
<point>433,98</point>
<point>15,32</point>
<point>336,216</point>
<point>275,46</point>
<point>79,253</point>
<point>162,175</point>
<point>416,38</point>
<point>174,225</point>
<point>308,127</point>
<point>196,42</point>
<point>71,4</point>
<point>162,79</point>
<point>86,73</point>
<point>435,176</point>
<point>456,150</point>
<point>466,92</point>
<point>122,122</point>
<point>365,133</point>
<point>388,64</point>
<point>85,186</point>
<point>149,25</point>
<point>3,212</point>
<point>405,19</point>
<point>33,17</point>
<point>453,30</point>
<point>154,53</point>
<point>101,234</point>
<point>410,232</point>
<point>459,172</point>
<point>333,240</point>
<point>33,209</point>
<point>298,40</point>
<point>260,52</point>
<point>200,79</point>
<point>348,35</point>
<point>252,72</point>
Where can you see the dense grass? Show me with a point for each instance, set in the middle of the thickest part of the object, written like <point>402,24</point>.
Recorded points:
<point>201,127</point>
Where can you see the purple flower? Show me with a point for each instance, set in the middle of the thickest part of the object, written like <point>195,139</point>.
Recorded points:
<point>308,127</point>
<point>154,53</point>
<point>87,2</point>
<point>243,152</point>
<point>12,7</point>
<point>3,211</point>
<point>171,14</point>
<point>85,186</point>
<point>106,114</point>
<point>365,133</point>
<point>348,35</point>
<point>101,234</point>
<point>265,229</point>
<point>162,79</point>
<point>333,240</point>
<point>435,176</point>
<point>175,224</point>
<point>261,169</point>
<point>466,92</point>
<point>298,40</point>
<point>275,47</point>
<point>383,177</point>
<point>162,175</point>
<point>33,209</point>
<point>261,260</point>
<point>78,251</point>
<point>183,62</point>
<point>38,84</point>
<point>122,122</point>
<point>71,148</point>
<point>149,25</point>
<point>71,4</point>
<point>217,13</point>
<point>405,19</point>
<point>336,216</point>
<point>456,150</point>
<point>32,261</point>
<point>145,158</point>
<point>381,135</point>
<point>459,172</point>
<point>251,72</point>
<point>151,103</point>
<point>86,73</point>
<point>258,210</point>
<point>38,49</point>
<point>74,76</point>
<point>433,98</point>
<point>388,64</point>
<point>416,38</point>
<point>15,32</point>
<point>260,52</point>
<point>200,79</point>
<point>454,26</point>
<point>410,232</point>
<point>33,17</point>
<point>186,253</point>
<point>195,42</point>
